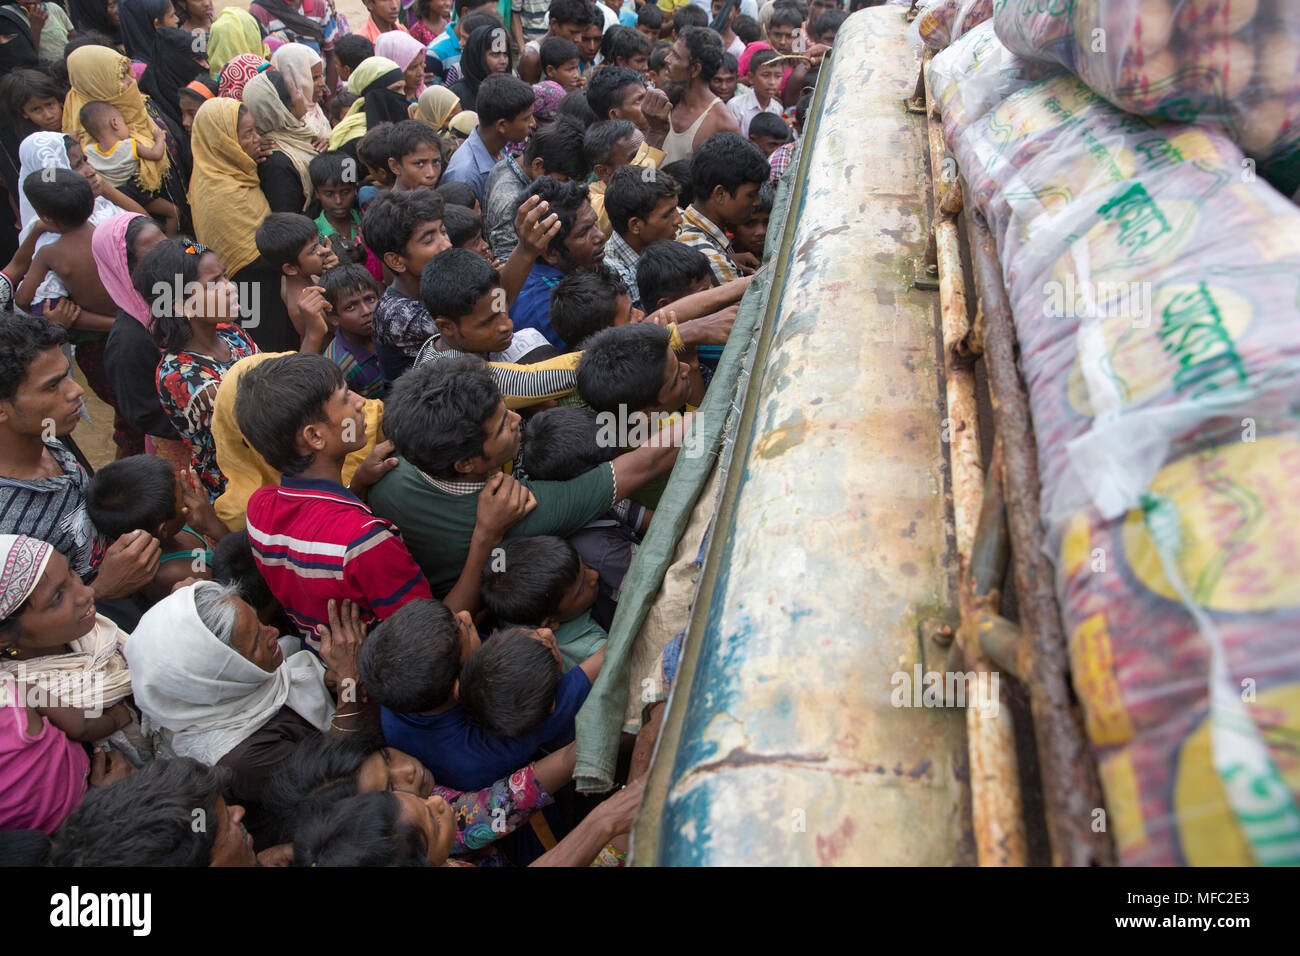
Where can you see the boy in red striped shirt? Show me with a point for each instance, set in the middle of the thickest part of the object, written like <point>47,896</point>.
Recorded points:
<point>315,540</point>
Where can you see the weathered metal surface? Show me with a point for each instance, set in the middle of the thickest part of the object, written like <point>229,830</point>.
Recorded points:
<point>1071,790</point>
<point>990,734</point>
<point>781,744</point>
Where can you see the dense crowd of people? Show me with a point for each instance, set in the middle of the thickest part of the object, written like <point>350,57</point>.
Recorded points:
<point>362,299</point>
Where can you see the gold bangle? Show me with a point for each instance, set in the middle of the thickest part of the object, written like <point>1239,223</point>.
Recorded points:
<point>344,730</point>
<point>354,713</point>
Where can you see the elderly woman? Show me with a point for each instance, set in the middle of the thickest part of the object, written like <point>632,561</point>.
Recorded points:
<point>217,685</point>
<point>304,67</point>
<point>278,113</point>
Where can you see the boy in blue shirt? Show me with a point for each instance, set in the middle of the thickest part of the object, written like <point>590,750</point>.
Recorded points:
<point>411,665</point>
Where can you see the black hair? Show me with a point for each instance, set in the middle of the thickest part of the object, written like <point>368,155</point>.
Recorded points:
<point>335,166</point>
<point>462,224</point>
<point>583,303</point>
<point>233,563</point>
<point>785,16</point>
<point>163,275</point>
<point>727,160</point>
<point>320,771</point>
<point>338,105</point>
<point>703,45</point>
<point>22,338</point>
<point>605,89</point>
<point>623,367</point>
<point>409,135</point>
<point>680,171</point>
<point>634,192</point>
<point>828,20</point>
<point>507,686</point>
<point>687,17</point>
<point>390,219</point>
<point>571,11</point>
<point>145,819</point>
<point>133,230</point>
<point>534,575</point>
<point>602,137</point>
<point>456,193</point>
<point>282,236</point>
<point>276,79</point>
<point>362,830</point>
<point>766,197</point>
<point>559,145</point>
<point>20,87</point>
<point>137,493</point>
<point>557,51</point>
<point>746,27</point>
<point>623,43</point>
<point>564,199</point>
<point>562,443</point>
<point>347,277</point>
<point>762,58</point>
<point>667,269</point>
<point>453,282</point>
<point>60,195</point>
<point>89,38</point>
<point>801,109</point>
<point>375,147</point>
<point>769,124</point>
<point>659,55</point>
<point>575,108</point>
<point>729,64</point>
<point>352,49</point>
<point>410,660</point>
<point>279,397</point>
<point>502,97</point>
<point>650,16</point>
<point>185,93</point>
<point>435,414</point>
<point>460,6</point>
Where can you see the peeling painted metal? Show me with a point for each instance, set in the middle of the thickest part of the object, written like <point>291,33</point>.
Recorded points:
<point>832,541</point>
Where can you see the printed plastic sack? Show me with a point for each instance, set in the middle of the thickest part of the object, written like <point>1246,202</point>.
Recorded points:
<point>1182,618</point>
<point>973,75</point>
<point>1233,63</point>
<point>1154,286</point>
<point>946,20</point>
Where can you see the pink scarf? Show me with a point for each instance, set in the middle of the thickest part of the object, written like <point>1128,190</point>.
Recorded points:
<point>402,49</point>
<point>108,246</point>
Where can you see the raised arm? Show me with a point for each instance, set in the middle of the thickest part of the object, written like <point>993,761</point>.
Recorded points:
<point>535,227</point>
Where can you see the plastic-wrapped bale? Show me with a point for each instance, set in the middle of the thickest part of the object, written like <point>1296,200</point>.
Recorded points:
<point>1154,287</point>
<point>946,20</point>
<point>973,75</point>
<point>1232,63</point>
<point>1182,618</point>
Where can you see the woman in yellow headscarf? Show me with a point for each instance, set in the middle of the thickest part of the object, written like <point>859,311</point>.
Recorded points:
<point>377,83</point>
<point>234,32</point>
<point>98,73</point>
<point>437,105</point>
<point>228,205</point>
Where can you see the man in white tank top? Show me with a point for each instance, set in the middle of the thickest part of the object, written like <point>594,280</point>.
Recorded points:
<point>696,114</point>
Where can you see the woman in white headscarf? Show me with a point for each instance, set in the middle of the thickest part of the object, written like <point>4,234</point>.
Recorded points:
<point>52,151</point>
<point>305,68</point>
<point>213,683</point>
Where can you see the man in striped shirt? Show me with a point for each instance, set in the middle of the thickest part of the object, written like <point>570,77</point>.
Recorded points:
<point>42,486</point>
<point>726,173</point>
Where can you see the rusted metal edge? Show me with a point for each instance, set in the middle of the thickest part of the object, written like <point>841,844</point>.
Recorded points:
<point>996,813</point>
<point>1071,788</point>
